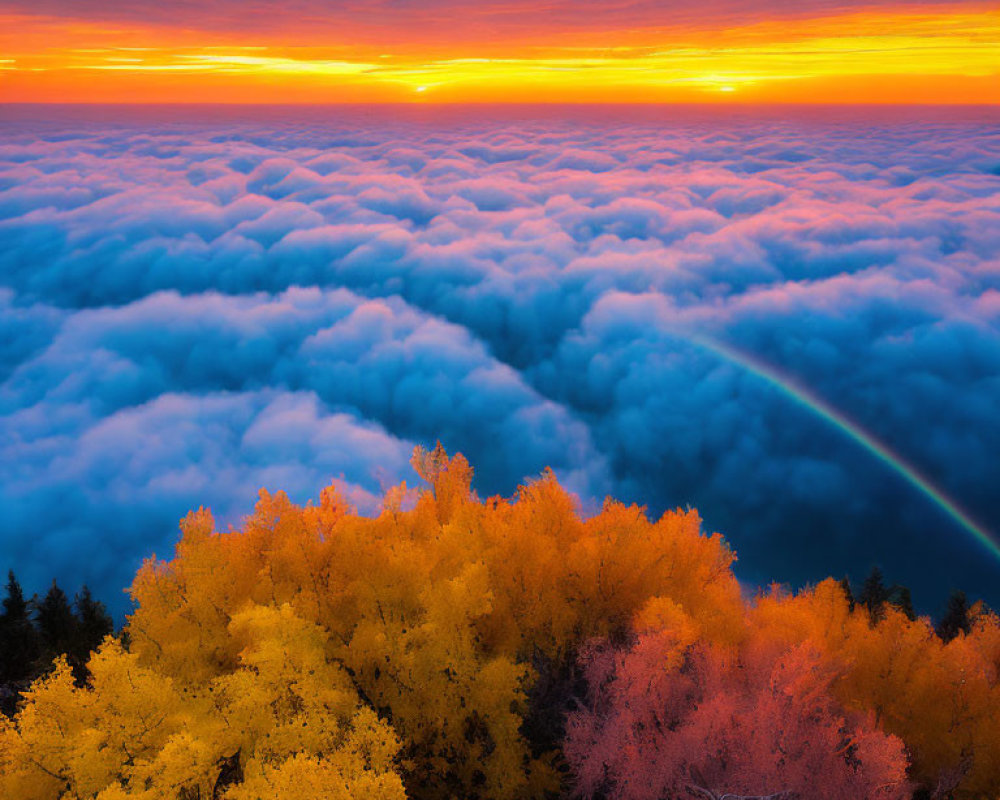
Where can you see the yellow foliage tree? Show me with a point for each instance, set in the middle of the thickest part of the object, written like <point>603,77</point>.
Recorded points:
<point>135,733</point>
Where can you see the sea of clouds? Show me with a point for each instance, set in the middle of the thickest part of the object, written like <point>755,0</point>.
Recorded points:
<point>194,305</point>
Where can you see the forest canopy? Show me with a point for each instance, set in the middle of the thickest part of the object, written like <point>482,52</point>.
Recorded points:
<point>456,647</point>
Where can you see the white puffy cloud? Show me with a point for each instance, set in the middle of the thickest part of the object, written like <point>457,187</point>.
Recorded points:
<point>191,311</point>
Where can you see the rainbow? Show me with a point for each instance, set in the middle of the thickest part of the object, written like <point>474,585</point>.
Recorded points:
<point>804,397</point>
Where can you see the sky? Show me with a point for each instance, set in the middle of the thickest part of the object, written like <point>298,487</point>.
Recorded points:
<point>790,321</point>
<point>445,51</point>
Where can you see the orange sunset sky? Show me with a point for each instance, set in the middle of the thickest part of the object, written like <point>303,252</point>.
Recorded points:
<point>311,51</point>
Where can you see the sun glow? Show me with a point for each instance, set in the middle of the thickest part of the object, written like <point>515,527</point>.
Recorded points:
<point>860,57</point>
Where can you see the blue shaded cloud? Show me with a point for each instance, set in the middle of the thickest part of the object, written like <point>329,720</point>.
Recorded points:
<point>193,310</point>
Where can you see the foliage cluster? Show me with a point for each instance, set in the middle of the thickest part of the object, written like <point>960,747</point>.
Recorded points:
<point>508,648</point>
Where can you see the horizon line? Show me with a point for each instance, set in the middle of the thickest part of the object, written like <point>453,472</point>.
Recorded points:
<point>417,103</point>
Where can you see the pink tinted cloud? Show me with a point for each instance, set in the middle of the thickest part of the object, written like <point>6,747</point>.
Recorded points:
<point>408,281</point>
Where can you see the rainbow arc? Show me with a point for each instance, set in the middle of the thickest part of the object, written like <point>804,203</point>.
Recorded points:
<point>793,390</point>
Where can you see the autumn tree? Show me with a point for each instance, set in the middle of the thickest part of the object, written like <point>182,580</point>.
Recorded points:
<point>134,733</point>
<point>666,719</point>
<point>296,718</point>
<point>941,699</point>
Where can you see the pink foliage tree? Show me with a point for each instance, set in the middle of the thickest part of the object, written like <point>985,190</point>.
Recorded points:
<point>662,722</point>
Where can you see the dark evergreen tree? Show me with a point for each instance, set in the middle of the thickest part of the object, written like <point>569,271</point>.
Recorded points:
<point>560,682</point>
<point>14,604</point>
<point>56,623</point>
<point>874,595</point>
<point>900,597</point>
<point>845,585</point>
<point>93,624</point>
<point>956,617</point>
<point>18,639</point>
<point>18,645</point>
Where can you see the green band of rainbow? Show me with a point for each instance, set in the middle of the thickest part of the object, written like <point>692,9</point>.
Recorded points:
<point>818,406</point>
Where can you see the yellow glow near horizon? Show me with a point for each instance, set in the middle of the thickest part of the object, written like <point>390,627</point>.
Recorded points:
<point>860,57</point>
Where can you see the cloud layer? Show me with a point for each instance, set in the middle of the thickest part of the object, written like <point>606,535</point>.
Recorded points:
<point>192,310</point>
<point>396,21</point>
